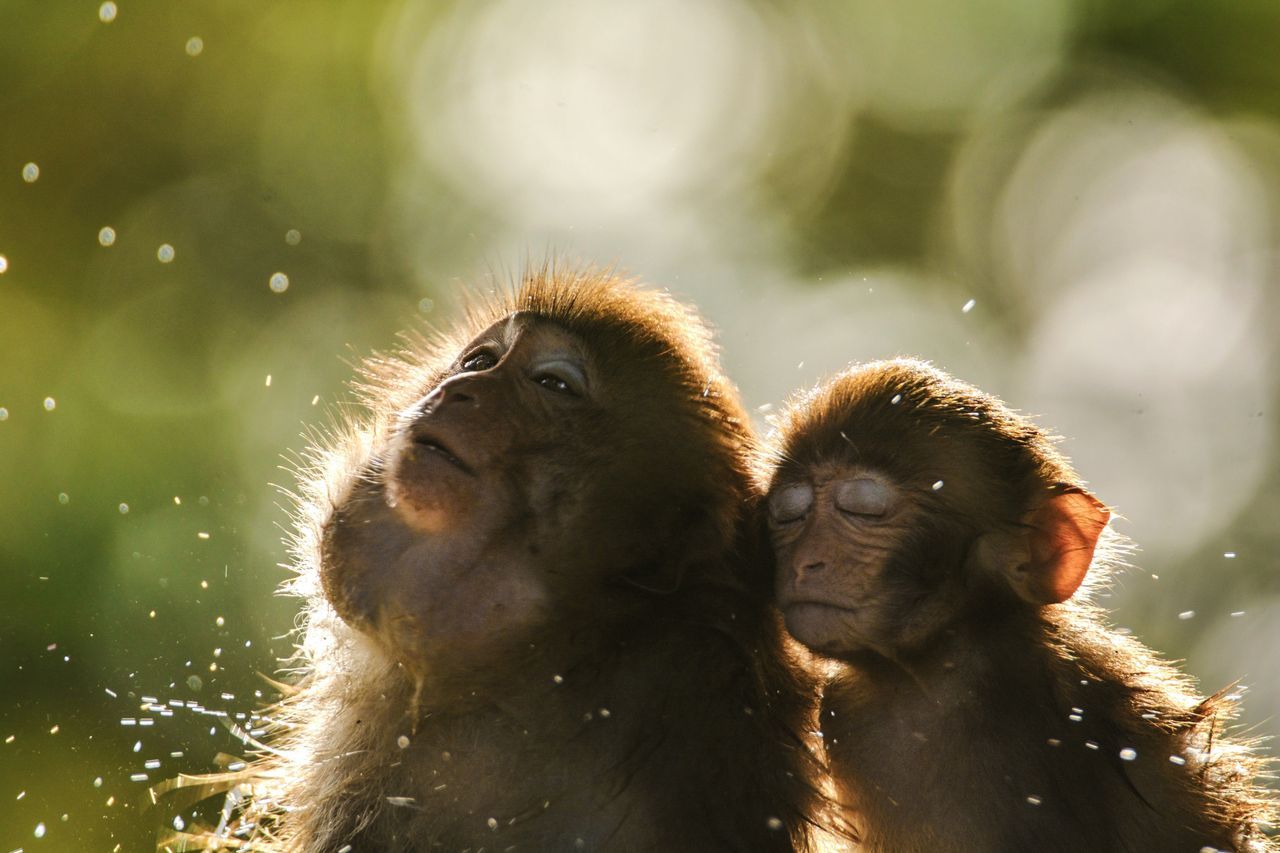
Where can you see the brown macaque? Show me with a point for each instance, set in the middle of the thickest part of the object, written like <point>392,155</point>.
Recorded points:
<point>536,619</point>
<point>931,548</point>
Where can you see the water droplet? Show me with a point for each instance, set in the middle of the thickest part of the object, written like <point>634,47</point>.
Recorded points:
<point>1230,555</point>
<point>165,253</point>
<point>279,282</point>
<point>203,535</point>
<point>1233,612</point>
<point>1089,744</point>
<point>1187,614</point>
<point>97,782</point>
<point>937,486</point>
<point>30,173</point>
<point>137,746</point>
<point>107,236</point>
<point>403,741</point>
<point>1177,759</point>
<point>195,46</point>
<point>4,414</point>
<point>897,398</point>
<point>492,823</point>
<point>39,830</point>
<point>425,305</point>
<point>178,823</point>
<point>107,12</point>
<point>194,682</point>
<point>968,306</point>
<point>1034,800</point>
<point>219,621</point>
<point>774,823</point>
<point>4,264</point>
<point>124,509</point>
<point>1128,754</point>
<point>64,498</point>
<point>50,404</point>
<point>293,236</point>
<point>558,679</point>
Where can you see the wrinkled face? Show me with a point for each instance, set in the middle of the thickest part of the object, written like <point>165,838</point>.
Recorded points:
<point>835,531</point>
<point>446,543</point>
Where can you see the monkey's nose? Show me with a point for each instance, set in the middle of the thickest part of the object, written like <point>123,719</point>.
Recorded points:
<point>811,567</point>
<point>449,391</point>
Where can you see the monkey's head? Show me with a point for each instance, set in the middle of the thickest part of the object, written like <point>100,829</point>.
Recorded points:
<point>900,499</point>
<point>568,455</point>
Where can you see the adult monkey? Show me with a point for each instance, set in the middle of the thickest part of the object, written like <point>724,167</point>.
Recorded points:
<point>930,542</point>
<point>533,623</point>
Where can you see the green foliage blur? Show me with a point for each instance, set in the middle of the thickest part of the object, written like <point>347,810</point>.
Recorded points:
<point>232,202</point>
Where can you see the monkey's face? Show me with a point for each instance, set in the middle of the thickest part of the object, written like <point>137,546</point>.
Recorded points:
<point>858,567</point>
<point>833,531</point>
<point>448,538</point>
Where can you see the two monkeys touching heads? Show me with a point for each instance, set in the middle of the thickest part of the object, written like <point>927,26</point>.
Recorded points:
<point>561,597</point>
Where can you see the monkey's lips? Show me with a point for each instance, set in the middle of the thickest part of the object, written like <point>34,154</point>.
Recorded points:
<point>821,625</point>
<point>431,446</point>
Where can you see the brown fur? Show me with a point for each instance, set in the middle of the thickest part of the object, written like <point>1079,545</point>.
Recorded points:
<point>962,738</point>
<point>664,719</point>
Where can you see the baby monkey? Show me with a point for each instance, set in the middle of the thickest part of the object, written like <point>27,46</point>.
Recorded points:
<point>931,543</point>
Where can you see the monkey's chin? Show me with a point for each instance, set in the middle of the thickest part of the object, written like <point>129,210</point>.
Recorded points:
<point>824,628</point>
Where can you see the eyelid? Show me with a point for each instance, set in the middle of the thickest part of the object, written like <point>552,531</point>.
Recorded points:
<point>568,370</point>
<point>790,502</point>
<point>864,496</point>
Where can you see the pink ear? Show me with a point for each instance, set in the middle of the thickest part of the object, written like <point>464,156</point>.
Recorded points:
<point>1065,531</point>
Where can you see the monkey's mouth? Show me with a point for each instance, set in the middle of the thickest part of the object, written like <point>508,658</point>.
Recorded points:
<point>431,444</point>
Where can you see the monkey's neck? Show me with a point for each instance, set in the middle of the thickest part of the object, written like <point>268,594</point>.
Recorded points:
<point>1010,732</point>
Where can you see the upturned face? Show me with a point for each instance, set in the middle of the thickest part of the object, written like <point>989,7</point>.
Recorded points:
<point>444,540</point>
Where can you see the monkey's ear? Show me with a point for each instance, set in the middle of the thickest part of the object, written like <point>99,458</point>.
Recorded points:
<point>1063,534</point>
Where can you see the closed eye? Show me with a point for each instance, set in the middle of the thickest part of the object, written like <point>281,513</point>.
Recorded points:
<point>864,497</point>
<point>790,503</point>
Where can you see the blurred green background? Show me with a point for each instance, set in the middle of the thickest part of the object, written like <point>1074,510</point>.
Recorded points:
<point>1072,204</point>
